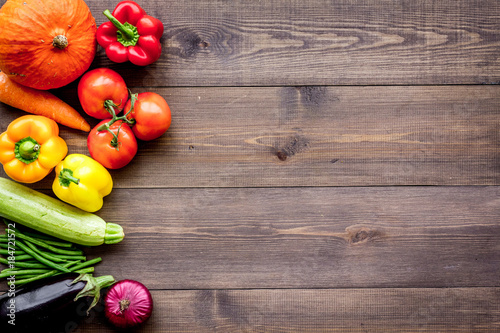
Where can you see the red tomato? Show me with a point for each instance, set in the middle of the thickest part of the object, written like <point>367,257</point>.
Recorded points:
<point>99,85</point>
<point>112,152</point>
<point>151,114</point>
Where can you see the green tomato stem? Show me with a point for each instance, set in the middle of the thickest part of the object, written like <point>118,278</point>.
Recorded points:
<point>110,106</point>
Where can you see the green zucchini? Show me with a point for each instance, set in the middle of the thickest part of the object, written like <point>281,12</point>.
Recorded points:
<point>53,217</point>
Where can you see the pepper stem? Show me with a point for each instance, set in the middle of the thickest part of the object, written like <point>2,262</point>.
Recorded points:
<point>66,177</point>
<point>110,106</point>
<point>27,150</point>
<point>127,34</point>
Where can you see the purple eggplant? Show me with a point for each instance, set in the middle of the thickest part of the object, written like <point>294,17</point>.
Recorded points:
<point>50,304</point>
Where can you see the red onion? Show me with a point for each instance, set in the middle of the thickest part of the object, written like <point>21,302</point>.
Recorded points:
<point>128,303</point>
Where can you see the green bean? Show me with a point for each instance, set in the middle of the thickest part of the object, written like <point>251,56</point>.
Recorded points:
<point>43,253</point>
<point>35,278</point>
<point>48,239</point>
<point>85,270</point>
<point>32,261</point>
<point>6,272</point>
<point>5,239</point>
<point>87,263</point>
<point>29,276</point>
<point>39,236</point>
<point>44,245</point>
<point>41,258</point>
<point>71,263</point>
<point>65,257</point>
<point>41,276</point>
<point>8,246</point>
<point>38,256</point>
<point>81,271</point>
<point>11,252</point>
<point>70,246</point>
<point>22,264</point>
<point>23,257</point>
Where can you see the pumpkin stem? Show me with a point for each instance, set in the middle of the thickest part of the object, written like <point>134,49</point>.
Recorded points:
<point>60,42</point>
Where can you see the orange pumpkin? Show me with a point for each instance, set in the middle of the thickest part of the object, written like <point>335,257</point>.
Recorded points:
<point>46,44</point>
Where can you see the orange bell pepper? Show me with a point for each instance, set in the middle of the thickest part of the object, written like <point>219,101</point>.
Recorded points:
<point>30,148</point>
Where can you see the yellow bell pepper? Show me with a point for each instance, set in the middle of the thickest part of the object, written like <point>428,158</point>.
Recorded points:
<point>82,182</point>
<point>30,148</point>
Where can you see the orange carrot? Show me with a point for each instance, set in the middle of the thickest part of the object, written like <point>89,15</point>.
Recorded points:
<point>40,102</point>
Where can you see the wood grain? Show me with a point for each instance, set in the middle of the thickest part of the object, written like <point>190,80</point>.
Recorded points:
<point>332,166</point>
<point>307,237</point>
<point>371,237</point>
<point>341,310</point>
<point>314,136</point>
<point>320,42</point>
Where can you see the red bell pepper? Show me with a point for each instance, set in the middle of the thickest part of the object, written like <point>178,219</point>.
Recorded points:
<point>130,35</point>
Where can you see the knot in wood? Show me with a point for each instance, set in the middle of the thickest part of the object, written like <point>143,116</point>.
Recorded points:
<point>361,235</point>
<point>293,146</point>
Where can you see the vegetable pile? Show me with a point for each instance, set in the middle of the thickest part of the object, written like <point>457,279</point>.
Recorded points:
<point>46,45</point>
<point>40,102</point>
<point>33,256</point>
<point>113,142</point>
<point>54,304</point>
<point>47,278</point>
<point>53,217</point>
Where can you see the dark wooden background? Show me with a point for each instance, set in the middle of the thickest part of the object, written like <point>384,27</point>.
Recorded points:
<point>332,166</point>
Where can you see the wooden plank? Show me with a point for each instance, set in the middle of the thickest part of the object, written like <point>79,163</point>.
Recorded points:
<point>370,237</point>
<point>311,237</point>
<point>320,42</point>
<point>314,136</point>
<point>341,310</point>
